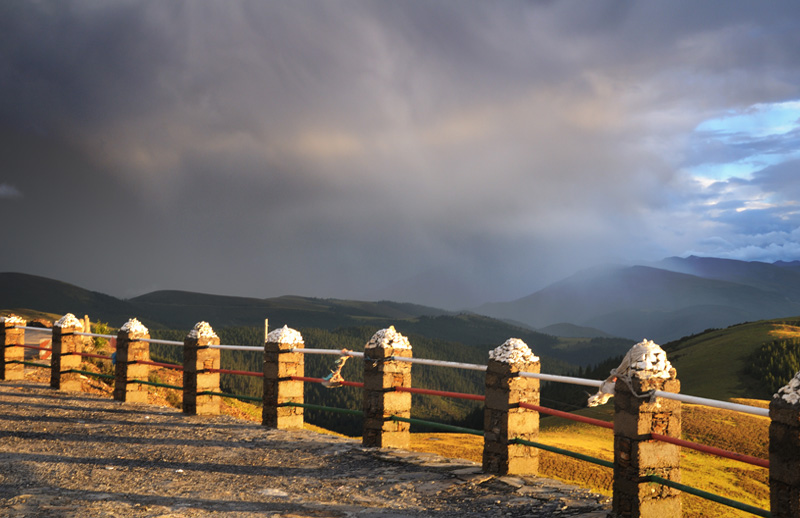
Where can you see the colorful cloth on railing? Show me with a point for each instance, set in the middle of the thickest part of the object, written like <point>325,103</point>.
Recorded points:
<point>335,379</point>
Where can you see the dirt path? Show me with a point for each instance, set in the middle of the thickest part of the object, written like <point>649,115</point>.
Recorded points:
<point>84,455</point>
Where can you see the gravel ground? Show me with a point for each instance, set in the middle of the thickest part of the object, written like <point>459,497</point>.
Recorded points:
<point>85,455</point>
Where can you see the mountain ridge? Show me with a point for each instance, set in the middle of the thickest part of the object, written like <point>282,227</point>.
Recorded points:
<point>176,310</point>
<point>663,301</point>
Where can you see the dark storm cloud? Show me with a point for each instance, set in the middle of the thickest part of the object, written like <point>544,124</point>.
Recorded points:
<point>331,148</point>
<point>72,63</point>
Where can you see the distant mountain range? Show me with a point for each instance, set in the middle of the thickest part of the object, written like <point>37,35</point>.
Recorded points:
<point>662,301</point>
<point>181,309</point>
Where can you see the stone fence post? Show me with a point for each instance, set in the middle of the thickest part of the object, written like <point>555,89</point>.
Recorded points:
<point>280,364</point>
<point>381,375</point>
<point>11,350</point>
<point>198,360</point>
<point>784,451</point>
<point>66,356</point>
<point>130,350</point>
<point>636,416</point>
<point>504,419</point>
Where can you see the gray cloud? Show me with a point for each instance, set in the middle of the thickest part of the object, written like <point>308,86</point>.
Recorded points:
<point>9,191</point>
<point>781,181</point>
<point>334,148</point>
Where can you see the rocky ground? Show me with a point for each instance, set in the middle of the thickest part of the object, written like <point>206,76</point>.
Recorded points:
<point>85,455</point>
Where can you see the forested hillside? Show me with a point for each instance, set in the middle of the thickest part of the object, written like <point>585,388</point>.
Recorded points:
<point>749,360</point>
<point>774,364</point>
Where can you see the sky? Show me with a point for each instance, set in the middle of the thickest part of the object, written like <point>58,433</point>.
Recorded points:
<point>447,152</point>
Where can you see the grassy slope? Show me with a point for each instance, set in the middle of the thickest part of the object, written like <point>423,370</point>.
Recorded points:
<point>29,314</point>
<point>51,296</point>
<point>724,353</point>
<point>742,482</point>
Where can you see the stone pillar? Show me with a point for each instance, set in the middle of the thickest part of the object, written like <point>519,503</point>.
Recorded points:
<point>504,420</point>
<point>636,416</point>
<point>784,451</point>
<point>67,347</point>
<point>131,350</point>
<point>198,359</point>
<point>11,350</point>
<point>280,364</point>
<point>381,401</point>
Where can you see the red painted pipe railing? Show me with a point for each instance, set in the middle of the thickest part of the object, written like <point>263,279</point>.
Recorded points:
<point>567,415</point>
<point>711,450</point>
<point>36,347</point>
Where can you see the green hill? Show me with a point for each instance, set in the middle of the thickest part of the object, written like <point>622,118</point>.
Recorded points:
<point>19,290</point>
<point>716,363</point>
<point>180,309</point>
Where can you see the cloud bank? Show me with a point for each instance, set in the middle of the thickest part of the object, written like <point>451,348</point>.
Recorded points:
<point>338,148</point>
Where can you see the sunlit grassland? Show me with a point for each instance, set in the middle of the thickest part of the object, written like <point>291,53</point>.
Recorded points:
<point>781,331</point>
<point>725,429</point>
<point>722,428</point>
<point>29,314</point>
<point>714,368</point>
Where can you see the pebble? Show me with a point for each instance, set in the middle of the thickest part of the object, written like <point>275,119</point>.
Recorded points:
<point>512,481</point>
<point>273,492</point>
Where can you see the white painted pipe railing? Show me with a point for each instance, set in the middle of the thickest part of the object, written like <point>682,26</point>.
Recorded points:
<point>685,398</point>
<point>40,329</point>
<point>441,363</point>
<point>725,405</point>
<point>237,347</point>
<point>157,341</point>
<point>562,379</point>
<point>332,352</point>
<point>97,335</point>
